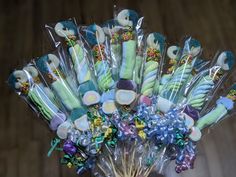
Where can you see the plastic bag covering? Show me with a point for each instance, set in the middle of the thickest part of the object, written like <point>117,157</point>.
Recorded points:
<point>27,84</point>
<point>126,87</point>
<point>172,91</point>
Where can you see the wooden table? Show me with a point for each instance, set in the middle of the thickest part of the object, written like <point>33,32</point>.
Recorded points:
<point>24,140</point>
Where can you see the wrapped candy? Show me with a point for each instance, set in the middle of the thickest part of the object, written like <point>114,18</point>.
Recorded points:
<point>209,80</point>
<point>126,87</point>
<point>154,52</point>
<point>223,108</point>
<point>79,57</point>
<point>171,92</point>
<point>96,38</point>
<point>173,53</point>
<point>27,83</point>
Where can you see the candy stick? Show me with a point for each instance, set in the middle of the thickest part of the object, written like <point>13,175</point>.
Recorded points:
<point>96,38</point>
<point>155,47</point>
<point>128,20</point>
<point>211,79</point>
<point>50,65</point>
<point>35,76</point>
<point>224,105</point>
<point>68,30</point>
<point>171,92</point>
<point>111,29</point>
<point>32,88</point>
<point>77,51</point>
<point>172,54</point>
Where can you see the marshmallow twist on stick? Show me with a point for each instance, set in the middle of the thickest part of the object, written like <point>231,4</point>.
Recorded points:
<point>155,46</point>
<point>198,95</point>
<point>28,84</point>
<point>50,65</point>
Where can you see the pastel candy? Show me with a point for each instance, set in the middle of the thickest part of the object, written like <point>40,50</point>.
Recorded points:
<point>91,98</point>
<point>125,97</point>
<point>126,84</point>
<point>57,120</point>
<point>65,93</point>
<point>63,129</point>
<point>109,95</point>
<point>145,99</point>
<point>77,113</point>
<point>105,80</point>
<point>87,86</point>
<point>109,107</point>
<point>195,134</point>
<point>212,117</point>
<point>128,59</point>
<point>180,76</point>
<point>198,95</point>
<point>163,104</point>
<point>150,74</point>
<point>189,122</point>
<point>80,63</point>
<point>82,123</point>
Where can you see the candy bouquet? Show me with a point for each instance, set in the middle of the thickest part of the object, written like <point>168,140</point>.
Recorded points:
<point>123,103</point>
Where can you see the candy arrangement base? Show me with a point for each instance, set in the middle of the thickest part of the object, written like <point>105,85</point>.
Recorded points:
<point>123,162</point>
<point>122,103</point>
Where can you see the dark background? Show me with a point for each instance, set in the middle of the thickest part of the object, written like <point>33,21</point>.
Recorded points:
<point>24,140</point>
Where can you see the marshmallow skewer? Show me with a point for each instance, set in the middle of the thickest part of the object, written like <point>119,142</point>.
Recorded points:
<point>155,47</point>
<point>208,83</point>
<point>171,91</point>
<point>128,20</point>
<point>87,89</point>
<point>96,38</point>
<point>28,84</point>
<point>49,65</point>
<point>224,105</point>
<point>68,30</point>
<point>172,54</point>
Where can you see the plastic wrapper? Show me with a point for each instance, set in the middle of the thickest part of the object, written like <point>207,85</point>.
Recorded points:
<point>206,83</point>
<point>80,60</point>
<point>102,63</point>
<point>112,30</point>
<point>172,92</point>
<point>126,87</point>
<point>169,65</point>
<point>27,84</point>
<point>152,66</point>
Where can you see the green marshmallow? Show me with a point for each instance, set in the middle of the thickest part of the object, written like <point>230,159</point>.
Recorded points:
<point>128,59</point>
<point>44,110</point>
<point>87,86</point>
<point>64,92</point>
<point>212,117</point>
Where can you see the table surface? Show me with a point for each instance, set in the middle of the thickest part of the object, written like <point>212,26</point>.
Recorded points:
<point>24,139</point>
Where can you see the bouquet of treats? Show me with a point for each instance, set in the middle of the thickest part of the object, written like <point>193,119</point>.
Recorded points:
<point>123,103</point>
